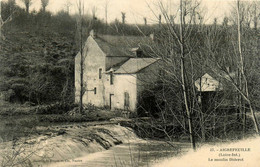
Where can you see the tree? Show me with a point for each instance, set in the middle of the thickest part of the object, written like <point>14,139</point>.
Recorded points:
<point>44,4</point>
<point>27,4</point>
<point>145,21</point>
<point>67,6</point>
<point>3,22</point>
<point>256,14</point>
<point>226,52</point>
<point>244,92</point>
<point>160,20</point>
<point>176,47</point>
<point>94,12</point>
<point>123,17</point>
<point>183,80</point>
<point>80,31</point>
<point>106,10</point>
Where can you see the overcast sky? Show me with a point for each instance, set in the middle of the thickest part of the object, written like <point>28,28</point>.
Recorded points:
<point>136,10</point>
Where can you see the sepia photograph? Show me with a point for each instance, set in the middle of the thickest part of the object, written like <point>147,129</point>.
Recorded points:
<point>129,83</point>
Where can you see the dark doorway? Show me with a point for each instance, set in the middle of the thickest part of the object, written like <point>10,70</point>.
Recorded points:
<point>111,101</point>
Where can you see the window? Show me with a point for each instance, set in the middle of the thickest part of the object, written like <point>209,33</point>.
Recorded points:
<point>126,103</point>
<point>139,53</point>
<point>111,78</point>
<point>100,73</point>
<point>95,90</point>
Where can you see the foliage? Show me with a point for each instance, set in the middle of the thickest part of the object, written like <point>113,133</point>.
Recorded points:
<point>56,108</point>
<point>37,57</point>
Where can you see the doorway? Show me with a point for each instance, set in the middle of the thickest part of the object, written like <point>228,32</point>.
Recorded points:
<point>111,101</point>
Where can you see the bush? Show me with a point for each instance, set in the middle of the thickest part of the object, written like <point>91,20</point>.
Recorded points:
<point>56,108</point>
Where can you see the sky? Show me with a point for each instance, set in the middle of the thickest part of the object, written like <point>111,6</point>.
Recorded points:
<point>135,10</point>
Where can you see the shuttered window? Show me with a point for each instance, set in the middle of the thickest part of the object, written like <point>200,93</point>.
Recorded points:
<point>100,73</point>
<point>111,78</point>
<point>126,103</point>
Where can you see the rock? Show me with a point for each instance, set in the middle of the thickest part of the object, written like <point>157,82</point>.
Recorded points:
<point>61,132</point>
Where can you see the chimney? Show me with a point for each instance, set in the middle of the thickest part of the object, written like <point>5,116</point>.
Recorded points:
<point>93,33</point>
<point>138,51</point>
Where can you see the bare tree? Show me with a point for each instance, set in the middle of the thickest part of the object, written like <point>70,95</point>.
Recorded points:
<point>160,19</point>
<point>235,54</point>
<point>176,50</point>
<point>3,22</point>
<point>68,4</point>
<point>123,17</point>
<point>249,13</point>
<point>145,21</point>
<point>94,12</point>
<point>245,93</point>
<point>44,4</point>
<point>27,4</point>
<point>256,14</point>
<point>183,80</point>
<point>106,10</point>
<point>81,8</point>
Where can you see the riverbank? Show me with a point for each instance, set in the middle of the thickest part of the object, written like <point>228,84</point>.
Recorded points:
<point>104,143</point>
<point>86,143</point>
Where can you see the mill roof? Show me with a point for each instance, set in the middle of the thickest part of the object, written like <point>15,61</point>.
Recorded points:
<point>120,46</point>
<point>134,65</point>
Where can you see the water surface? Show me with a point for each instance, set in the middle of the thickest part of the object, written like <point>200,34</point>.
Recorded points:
<point>137,153</point>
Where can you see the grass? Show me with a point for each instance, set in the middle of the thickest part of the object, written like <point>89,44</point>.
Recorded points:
<point>21,120</point>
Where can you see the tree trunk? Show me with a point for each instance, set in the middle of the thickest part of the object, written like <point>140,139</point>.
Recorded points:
<point>242,69</point>
<point>192,140</point>
<point>225,124</point>
<point>27,8</point>
<point>244,122</point>
<point>80,30</point>
<point>202,120</point>
<point>1,22</point>
<point>81,69</point>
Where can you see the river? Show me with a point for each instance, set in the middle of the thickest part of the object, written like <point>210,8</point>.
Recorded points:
<point>138,153</point>
<point>69,151</point>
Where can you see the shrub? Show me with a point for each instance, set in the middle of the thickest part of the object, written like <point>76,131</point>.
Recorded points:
<point>56,108</point>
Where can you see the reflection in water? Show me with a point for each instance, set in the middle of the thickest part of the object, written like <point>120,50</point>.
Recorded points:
<point>134,154</point>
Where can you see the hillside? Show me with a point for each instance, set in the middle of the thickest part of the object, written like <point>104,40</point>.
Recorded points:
<point>34,65</point>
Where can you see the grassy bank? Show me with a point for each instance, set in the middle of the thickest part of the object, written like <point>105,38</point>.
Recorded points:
<point>21,120</point>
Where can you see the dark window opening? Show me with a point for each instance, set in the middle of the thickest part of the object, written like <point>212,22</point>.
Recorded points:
<point>95,90</point>
<point>100,73</point>
<point>139,53</point>
<point>110,101</point>
<point>111,78</point>
<point>126,102</point>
